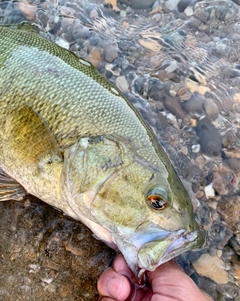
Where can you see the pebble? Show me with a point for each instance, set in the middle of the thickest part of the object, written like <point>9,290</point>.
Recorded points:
<point>122,84</point>
<point>172,4</point>
<point>110,53</point>
<point>231,159</point>
<point>162,120</point>
<point>123,14</point>
<point>194,104</point>
<point>209,191</point>
<point>94,57</point>
<point>156,89</point>
<point>141,4</point>
<point>63,43</point>
<point>209,138</point>
<point>196,148</point>
<point>229,139</point>
<point>173,105</point>
<point>218,184</point>
<point>237,273</point>
<point>183,4</point>
<point>210,108</point>
<point>211,267</point>
<point>195,87</point>
<point>230,290</point>
<point>28,11</point>
<point>229,209</point>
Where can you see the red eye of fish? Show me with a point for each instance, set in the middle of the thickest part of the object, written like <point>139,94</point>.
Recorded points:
<point>157,202</point>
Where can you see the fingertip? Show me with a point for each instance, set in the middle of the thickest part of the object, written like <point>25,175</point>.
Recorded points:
<point>113,285</point>
<point>119,264</point>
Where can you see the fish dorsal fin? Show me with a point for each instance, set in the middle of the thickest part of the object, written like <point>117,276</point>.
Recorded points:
<point>28,138</point>
<point>10,189</point>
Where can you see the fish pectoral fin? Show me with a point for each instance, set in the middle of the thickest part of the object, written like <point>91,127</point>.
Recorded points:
<point>28,137</point>
<point>10,189</point>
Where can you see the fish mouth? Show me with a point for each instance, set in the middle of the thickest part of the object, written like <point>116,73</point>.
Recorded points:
<point>158,247</point>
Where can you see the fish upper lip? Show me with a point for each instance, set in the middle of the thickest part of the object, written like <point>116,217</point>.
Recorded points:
<point>154,234</point>
<point>182,238</point>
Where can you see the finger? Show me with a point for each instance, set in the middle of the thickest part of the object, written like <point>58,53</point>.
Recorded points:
<point>114,285</point>
<point>120,266</point>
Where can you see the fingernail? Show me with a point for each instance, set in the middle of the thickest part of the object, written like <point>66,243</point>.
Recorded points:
<point>114,287</point>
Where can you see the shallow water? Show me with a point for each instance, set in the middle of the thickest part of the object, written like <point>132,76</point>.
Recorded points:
<point>181,70</point>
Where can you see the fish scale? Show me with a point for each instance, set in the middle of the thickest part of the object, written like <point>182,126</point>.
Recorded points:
<point>51,80</point>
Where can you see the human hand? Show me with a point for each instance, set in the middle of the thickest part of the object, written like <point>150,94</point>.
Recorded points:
<point>168,283</point>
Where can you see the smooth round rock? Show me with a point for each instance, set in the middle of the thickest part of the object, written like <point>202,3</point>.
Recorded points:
<point>209,138</point>
<point>183,4</point>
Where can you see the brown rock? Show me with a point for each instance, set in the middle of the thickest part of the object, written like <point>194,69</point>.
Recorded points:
<point>172,104</point>
<point>29,11</point>
<point>218,184</point>
<point>237,273</point>
<point>94,57</point>
<point>211,267</point>
<point>229,209</point>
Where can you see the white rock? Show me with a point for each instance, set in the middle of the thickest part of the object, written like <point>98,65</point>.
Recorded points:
<point>172,4</point>
<point>209,191</point>
<point>62,43</point>
<point>188,11</point>
<point>122,83</point>
<point>196,148</point>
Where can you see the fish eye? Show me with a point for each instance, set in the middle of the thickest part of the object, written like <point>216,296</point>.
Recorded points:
<point>157,198</point>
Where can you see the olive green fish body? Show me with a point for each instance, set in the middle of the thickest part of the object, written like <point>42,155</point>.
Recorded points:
<point>71,138</point>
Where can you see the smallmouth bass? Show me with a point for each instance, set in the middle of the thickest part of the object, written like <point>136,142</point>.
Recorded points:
<point>70,138</point>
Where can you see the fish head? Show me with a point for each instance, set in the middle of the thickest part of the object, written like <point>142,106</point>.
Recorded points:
<point>145,209</point>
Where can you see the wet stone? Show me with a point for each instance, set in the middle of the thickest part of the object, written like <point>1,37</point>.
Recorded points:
<point>229,290</point>
<point>173,105</point>
<point>211,267</point>
<point>229,139</point>
<point>210,108</point>
<point>209,286</point>
<point>110,53</point>
<point>230,211</point>
<point>162,120</point>
<point>194,104</point>
<point>235,243</point>
<point>122,84</point>
<point>231,159</point>
<point>209,138</point>
<point>237,273</point>
<point>218,184</point>
<point>141,4</point>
